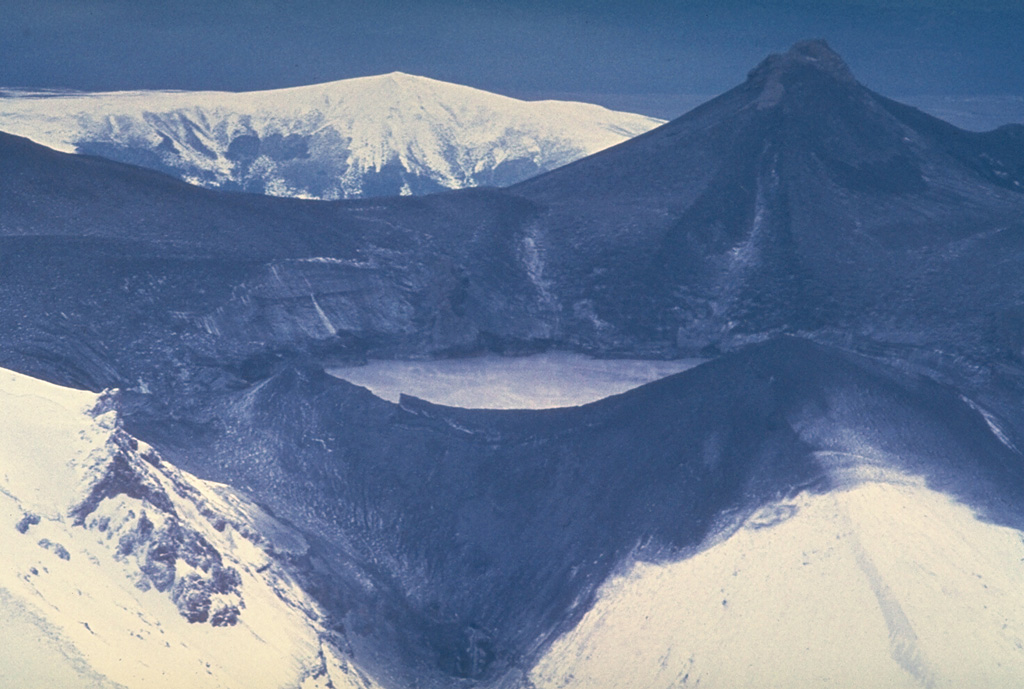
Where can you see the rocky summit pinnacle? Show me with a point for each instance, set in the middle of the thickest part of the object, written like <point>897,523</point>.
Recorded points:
<point>775,70</point>
<point>813,53</point>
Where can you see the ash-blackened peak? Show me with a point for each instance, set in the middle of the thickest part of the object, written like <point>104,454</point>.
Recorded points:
<point>779,71</point>
<point>814,53</point>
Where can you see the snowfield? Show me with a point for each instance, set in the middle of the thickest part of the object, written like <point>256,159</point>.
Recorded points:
<point>120,570</point>
<point>372,136</point>
<point>885,584</point>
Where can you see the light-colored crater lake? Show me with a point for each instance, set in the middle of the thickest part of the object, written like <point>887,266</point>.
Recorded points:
<point>541,381</point>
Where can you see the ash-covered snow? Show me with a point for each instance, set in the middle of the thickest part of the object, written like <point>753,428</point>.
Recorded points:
<point>120,570</point>
<point>382,135</point>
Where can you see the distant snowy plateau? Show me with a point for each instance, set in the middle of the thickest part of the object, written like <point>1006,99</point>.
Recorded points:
<point>373,136</point>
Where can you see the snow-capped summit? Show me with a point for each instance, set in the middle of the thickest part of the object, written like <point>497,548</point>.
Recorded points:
<point>370,136</point>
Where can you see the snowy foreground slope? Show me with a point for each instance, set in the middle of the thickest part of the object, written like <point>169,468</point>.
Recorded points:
<point>120,570</point>
<point>884,584</point>
<point>372,136</point>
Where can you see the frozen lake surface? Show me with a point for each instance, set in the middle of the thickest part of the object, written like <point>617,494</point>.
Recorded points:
<point>541,381</point>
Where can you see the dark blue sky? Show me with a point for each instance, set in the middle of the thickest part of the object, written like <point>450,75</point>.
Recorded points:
<point>643,55</point>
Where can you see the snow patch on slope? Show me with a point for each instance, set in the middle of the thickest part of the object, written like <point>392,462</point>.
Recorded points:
<point>370,136</point>
<point>885,584</point>
<point>120,570</point>
<point>993,424</point>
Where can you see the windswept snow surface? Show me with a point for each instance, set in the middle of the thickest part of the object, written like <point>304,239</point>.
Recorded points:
<point>120,570</point>
<point>541,381</point>
<point>372,136</point>
<point>885,584</point>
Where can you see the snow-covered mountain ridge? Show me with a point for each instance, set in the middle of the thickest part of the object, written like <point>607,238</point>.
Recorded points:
<point>371,136</point>
<point>121,570</point>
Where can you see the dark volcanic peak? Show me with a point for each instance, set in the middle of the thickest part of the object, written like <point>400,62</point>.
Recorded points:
<point>814,54</point>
